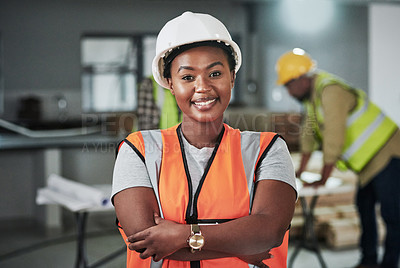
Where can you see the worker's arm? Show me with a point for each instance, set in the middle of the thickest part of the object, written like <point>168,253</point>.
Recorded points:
<point>337,103</point>
<point>133,195</point>
<point>307,143</point>
<point>325,174</point>
<point>305,157</point>
<point>135,208</point>
<point>243,237</point>
<point>143,215</point>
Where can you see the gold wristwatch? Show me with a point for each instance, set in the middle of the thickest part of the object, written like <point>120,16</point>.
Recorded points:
<point>196,239</point>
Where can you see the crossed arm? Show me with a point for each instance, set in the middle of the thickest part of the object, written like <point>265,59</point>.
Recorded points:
<point>249,238</point>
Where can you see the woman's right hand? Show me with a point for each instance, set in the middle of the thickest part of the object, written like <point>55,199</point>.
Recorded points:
<point>160,240</point>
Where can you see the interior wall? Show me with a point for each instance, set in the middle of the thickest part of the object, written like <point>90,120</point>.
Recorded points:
<point>384,58</point>
<point>336,36</point>
<point>41,39</point>
<point>41,43</point>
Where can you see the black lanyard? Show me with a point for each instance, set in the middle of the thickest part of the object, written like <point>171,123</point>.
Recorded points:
<point>194,217</point>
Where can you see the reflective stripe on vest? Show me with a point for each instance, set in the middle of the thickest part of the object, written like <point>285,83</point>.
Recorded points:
<point>368,129</point>
<point>226,191</point>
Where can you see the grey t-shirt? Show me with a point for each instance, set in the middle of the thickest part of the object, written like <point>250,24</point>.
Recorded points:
<point>130,171</point>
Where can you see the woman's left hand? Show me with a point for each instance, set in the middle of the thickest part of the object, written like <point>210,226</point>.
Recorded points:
<point>160,240</point>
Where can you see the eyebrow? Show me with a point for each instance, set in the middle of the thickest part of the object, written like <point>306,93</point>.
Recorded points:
<point>208,67</point>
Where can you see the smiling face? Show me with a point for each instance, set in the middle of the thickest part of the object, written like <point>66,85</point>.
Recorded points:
<point>201,81</point>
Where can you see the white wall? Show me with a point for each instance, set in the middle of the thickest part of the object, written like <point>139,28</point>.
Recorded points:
<point>337,40</point>
<point>384,58</point>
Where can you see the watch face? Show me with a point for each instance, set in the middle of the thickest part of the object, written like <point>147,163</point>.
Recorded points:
<point>196,241</point>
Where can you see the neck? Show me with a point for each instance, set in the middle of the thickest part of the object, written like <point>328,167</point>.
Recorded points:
<point>202,134</point>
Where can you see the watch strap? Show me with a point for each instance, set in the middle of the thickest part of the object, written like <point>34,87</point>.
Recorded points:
<point>195,228</point>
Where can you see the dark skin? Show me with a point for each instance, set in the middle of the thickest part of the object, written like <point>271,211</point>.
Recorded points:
<point>301,89</point>
<point>201,81</point>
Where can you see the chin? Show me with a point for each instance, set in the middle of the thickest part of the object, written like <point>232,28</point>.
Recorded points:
<point>206,118</point>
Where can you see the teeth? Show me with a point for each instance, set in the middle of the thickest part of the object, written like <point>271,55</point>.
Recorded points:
<point>203,103</point>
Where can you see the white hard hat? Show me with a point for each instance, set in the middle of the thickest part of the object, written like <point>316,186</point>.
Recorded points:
<point>190,28</point>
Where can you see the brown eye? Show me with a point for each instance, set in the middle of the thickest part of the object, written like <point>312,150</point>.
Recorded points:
<point>187,77</point>
<point>215,74</point>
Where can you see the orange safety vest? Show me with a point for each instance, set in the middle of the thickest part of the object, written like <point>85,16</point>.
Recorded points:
<point>225,191</point>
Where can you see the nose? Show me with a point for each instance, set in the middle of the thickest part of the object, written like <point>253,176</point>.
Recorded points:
<point>202,84</point>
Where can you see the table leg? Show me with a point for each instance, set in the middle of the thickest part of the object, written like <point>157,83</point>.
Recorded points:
<point>294,254</point>
<point>308,238</point>
<point>81,260</point>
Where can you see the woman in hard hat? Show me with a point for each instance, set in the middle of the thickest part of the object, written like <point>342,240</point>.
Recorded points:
<point>202,194</point>
<point>353,133</point>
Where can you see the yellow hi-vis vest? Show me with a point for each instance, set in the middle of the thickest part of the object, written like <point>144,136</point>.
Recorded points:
<point>225,190</point>
<point>170,114</point>
<point>368,129</point>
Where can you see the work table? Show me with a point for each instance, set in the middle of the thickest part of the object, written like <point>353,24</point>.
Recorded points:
<point>17,141</point>
<point>26,163</point>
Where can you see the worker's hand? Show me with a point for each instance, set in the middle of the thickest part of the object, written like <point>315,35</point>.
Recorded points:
<point>257,259</point>
<point>325,173</point>
<point>298,173</point>
<point>160,240</point>
<point>314,184</point>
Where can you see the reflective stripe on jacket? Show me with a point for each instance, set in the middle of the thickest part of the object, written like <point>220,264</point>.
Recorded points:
<point>225,191</point>
<point>367,128</point>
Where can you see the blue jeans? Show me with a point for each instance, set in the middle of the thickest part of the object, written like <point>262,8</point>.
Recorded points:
<point>385,190</point>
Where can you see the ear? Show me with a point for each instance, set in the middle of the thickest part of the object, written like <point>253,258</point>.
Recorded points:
<point>233,78</point>
<point>171,86</point>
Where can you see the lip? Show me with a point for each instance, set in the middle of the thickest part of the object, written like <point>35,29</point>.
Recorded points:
<point>204,103</point>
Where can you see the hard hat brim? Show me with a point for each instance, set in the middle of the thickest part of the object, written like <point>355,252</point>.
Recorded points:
<point>158,61</point>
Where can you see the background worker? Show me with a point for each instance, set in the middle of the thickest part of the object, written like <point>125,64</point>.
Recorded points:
<point>351,131</point>
<point>157,108</point>
<point>202,194</point>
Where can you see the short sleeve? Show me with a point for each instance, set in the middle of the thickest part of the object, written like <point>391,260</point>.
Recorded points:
<point>129,171</point>
<point>277,165</point>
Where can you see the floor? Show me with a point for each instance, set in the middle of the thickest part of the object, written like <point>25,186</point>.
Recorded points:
<point>26,245</point>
